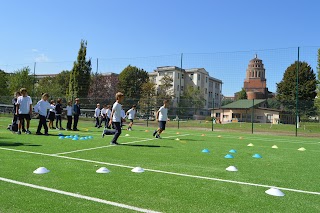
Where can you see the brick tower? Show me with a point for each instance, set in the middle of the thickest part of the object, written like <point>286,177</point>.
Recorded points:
<point>255,83</point>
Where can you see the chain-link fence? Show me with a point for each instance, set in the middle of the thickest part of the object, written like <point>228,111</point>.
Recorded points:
<point>246,91</point>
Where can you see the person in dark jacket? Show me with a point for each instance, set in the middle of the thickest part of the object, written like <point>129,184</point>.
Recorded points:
<point>76,114</point>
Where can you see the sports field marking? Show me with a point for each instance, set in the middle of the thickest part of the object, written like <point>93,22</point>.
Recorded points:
<point>166,172</point>
<point>264,139</point>
<point>98,200</point>
<point>100,147</point>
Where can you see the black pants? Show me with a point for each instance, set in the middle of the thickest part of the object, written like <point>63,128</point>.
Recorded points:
<point>97,122</point>
<point>69,121</point>
<point>104,119</point>
<point>16,120</point>
<point>58,118</point>
<point>75,121</point>
<point>117,126</point>
<point>42,122</point>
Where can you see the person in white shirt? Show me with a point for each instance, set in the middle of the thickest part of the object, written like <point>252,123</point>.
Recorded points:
<point>24,110</point>
<point>104,116</point>
<point>108,116</point>
<point>162,117</point>
<point>52,114</point>
<point>97,112</point>
<point>69,115</point>
<point>42,108</point>
<point>116,118</point>
<point>123,115</point>
<point>131,114</point>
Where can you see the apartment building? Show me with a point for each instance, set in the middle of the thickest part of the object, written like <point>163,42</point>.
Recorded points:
<point>196,77</point>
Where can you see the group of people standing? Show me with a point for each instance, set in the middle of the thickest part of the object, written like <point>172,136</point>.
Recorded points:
<point>22,104</point>
<point>104,115</point>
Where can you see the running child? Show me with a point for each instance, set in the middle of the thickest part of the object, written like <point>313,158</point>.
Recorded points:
<point>131,114</point>
<point>116,117</point>
<point>162,117</point>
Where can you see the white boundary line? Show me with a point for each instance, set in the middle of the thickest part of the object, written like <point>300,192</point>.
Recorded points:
<point>100,147</point>
<point>98,200</point>
<point>166,172</point>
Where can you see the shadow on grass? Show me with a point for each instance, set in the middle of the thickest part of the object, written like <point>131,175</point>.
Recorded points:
<point>149,146</point>
<point>17,144</point>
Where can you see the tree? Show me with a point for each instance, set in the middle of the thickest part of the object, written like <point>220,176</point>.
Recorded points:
<point>148,95</point>
<point>131,80</point>
<point>63,79</point>
<point>103,88</point>
<point>192,99</point>
<point>80,74</point>
<point>165,89</point>
<point>21,79</point>
<point>286,89</point>
<point>242,94</point>
<point>48,85</point>
<point>4,82</point>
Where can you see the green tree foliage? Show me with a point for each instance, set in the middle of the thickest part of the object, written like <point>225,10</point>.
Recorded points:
<point>317,99</point>
<point>272,103</point>
<point>21,79</point>
<point>56,86</point>
<point>148,97</point>
<point>226,101</point>
<point>192,100</point>
<point>242,94</point>
<point>165,90</point>
<point>286,89</point>
<point>4,82</point>
<point>131,80</point>
<point>80,75</point>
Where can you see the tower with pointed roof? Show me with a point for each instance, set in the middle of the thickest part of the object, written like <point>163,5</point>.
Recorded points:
<point>255,83</point>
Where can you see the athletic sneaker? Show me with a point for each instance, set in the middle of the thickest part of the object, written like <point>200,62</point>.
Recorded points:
<point>39,133</point>
<point>154,133</point>
<point>62,128</point>
<point>46,134</point>
<point>28,132</point>
<point>103,134</point>
<point>19,132</point>
<point>114,143</point>
<point>158,136</point>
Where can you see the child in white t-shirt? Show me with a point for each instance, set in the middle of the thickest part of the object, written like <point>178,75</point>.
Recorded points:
<point>24,110</point>
<point>131,114</point>
<point>69,115</point>
<point>42,108</point>
<point>116,117</point>
<point>97,112</point>
<point>162,117</point>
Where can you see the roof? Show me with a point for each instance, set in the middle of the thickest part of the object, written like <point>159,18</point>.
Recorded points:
<point>243,104</point>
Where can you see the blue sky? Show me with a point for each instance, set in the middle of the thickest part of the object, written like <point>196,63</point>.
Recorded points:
<point>132,32</point>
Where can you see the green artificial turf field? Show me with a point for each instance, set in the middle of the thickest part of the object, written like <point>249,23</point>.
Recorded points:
<point>177,177</point>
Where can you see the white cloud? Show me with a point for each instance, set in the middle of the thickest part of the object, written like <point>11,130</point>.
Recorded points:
<point>34,50</point>
<point>41,58</point>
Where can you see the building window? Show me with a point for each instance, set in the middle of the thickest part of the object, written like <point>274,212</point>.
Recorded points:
<point>198,77</point>
<point>182,75</point>
<point>191,76</point>
<point>178,75</point>
<point>181,88</point>
<point>206,79</point>
<point>198,88</point>
<point>206,91</point>
<point>259,117</point>
<point>178,88</point>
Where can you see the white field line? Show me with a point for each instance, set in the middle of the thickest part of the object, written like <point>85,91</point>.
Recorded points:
<point>166,172</point>
<point>100,147</point>
<point>265,139</point>
<point>98,200</point>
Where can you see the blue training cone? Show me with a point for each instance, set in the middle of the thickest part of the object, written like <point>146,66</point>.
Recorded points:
<point>257,156</point>
<point>205,151</point>
<point>233,151</point>
<point>229,156</point>
<point>61,137</point>
<point>75,139</point>
<point>90,137</point>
